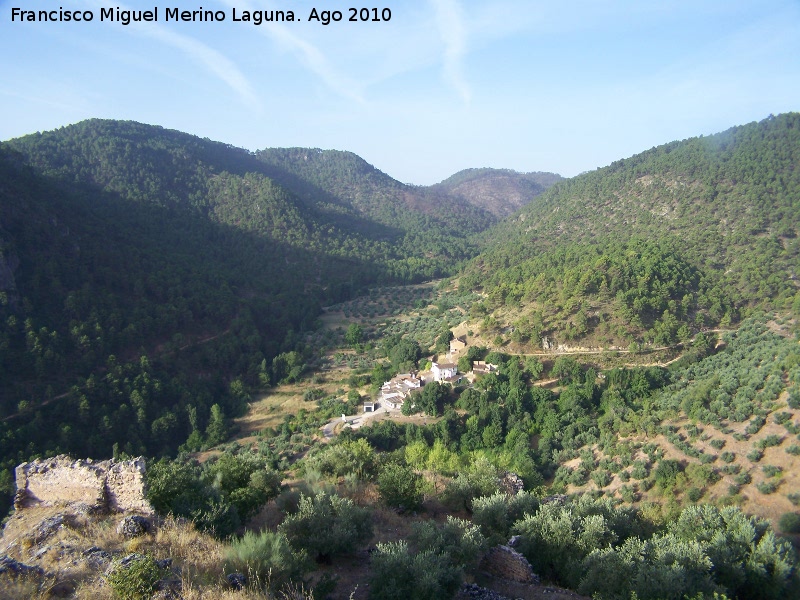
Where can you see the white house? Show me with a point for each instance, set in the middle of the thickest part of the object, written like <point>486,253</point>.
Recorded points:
<point>442,371</point>
<point>397,389</point>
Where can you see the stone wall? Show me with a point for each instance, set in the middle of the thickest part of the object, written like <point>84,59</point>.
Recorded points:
<point>504,562</point>
<point>107,485</point>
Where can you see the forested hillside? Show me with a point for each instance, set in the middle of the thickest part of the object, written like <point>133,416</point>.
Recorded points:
<point>127,323</point>
<point>149,278</point>
<point>687,235</point>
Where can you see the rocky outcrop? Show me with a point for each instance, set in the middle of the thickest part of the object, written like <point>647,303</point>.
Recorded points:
<point>132,526</point>
<point>472,591</point>
<point>102,486</point>
<point>510,483</point>
<point>506,563</point>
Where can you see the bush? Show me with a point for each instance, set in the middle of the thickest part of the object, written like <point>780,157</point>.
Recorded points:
<point>789,523</point>
<point>727,457</point>
<point>639,470</point>
<point>666,473</point>
<point>771,470</point>
<point>137,579</point>
<point>400,487</point>
<point>769,441</point>
<point>694,494</point>
<point>398,574</point>
<point>718,444</point>
<point>755,455</point>
<point>743,479</point>
<point>326,525</point>
<point>767,487</point>
<point>481,480</point>
<point>459,540</point>
<point>601,478</point>
<point>267,557</point>
<point>496,514</point>
<point>794,450</point>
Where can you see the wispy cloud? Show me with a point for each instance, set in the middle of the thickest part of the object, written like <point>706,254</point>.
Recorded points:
<point>213,60</point>
<point>311,57</point>
<point>450,22</point>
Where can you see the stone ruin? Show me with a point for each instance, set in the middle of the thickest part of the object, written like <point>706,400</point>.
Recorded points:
<point>109,485</point>
<point>506,563</point>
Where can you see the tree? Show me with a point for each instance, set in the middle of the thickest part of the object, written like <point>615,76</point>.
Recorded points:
<point>217,430</point>
<point>432,397</point>
<point>400,487</point>
<point>354,335</point>
<point>567,370</point>
<point>405,354</point>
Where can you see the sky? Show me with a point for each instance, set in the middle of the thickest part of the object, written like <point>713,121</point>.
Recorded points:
<point>442,85</point>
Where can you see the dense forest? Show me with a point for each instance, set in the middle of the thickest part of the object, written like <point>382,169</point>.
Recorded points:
<point>688,235</point>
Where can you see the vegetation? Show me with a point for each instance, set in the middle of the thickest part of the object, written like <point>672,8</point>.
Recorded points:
<point>154,284</point>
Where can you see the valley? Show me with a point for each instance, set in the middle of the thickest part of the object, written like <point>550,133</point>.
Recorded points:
<point>621,348</point>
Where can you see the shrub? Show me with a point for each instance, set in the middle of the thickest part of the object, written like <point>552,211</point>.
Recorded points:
<point>601,478</point>
<point>326,525</point>
<point>397,574</point>
<point>789,523</point>
<point>639,470</point>
<point>769,441</point>
<point>767,487</point>
<point>137,579</point>
<point>480,480</point>
<point>628,494</point>
<point>694,494</point>
<point>771,470</point>
<point>667,472</point>
<point>400,487</point>
<point>743,479</point>
<point>266,556</point>
<point>727,457</point>
<point>794,499</point>
<point>755,455</point>
<point>459,540</point>
<point>781,418</point>
<point>718,444</point>
<point>496,513</point>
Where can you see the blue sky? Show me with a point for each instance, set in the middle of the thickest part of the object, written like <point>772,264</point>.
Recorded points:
<point>444,85</point>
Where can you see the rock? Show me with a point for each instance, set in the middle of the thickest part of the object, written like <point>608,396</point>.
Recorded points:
<point>97,558</point>
<point>125,561</point>
<point>504,562</point>
<point>511,483</point>
<point>133,526</point>
<point>9,565</point>
<point>237,581</point>
<point>48,527</point>
<point>168,589</point>
<point>476,592</point>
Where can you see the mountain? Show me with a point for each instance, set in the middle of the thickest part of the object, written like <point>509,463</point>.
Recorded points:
<point>149,277</point>
<point>687,235</point>
<point>500,191</point>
